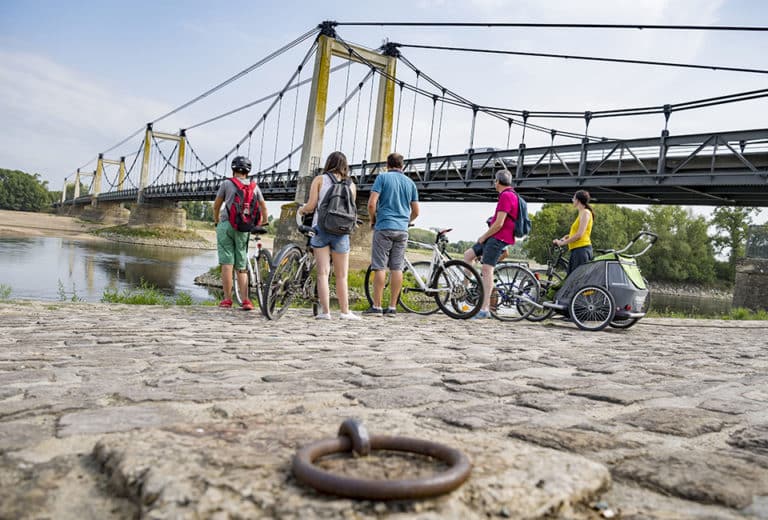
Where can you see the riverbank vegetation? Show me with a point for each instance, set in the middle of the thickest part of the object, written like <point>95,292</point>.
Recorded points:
<point>145,294</point>
<point>20,191</point>
<point>691,249</point>
<point>157,233</point>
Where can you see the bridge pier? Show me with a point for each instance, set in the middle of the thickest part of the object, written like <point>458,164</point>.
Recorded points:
<point>71,210</point>
<point>158,214</point>
<point>751,288</point>
<point>107,213</point>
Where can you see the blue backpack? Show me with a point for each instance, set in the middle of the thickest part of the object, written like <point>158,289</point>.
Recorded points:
<point>522,222</point>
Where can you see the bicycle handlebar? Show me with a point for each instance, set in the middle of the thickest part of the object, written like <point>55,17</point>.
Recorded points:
<point>652,237</point>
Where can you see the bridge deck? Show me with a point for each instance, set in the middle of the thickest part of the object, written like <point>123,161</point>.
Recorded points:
<point>704,169</point>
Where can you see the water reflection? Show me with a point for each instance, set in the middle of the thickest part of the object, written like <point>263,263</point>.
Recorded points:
<point>45,267</point>
<point>692,305</point>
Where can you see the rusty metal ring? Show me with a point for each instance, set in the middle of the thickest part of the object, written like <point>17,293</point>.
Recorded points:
<point>361,441</point>
<point>438,484</point>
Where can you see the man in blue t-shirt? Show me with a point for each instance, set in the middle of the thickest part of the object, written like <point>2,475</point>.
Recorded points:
<point>392,206</point>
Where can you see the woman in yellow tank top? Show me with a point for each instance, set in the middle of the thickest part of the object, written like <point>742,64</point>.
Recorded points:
<point>578,238</point>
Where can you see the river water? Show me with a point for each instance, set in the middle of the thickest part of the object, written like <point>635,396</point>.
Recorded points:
<point>47,268</point>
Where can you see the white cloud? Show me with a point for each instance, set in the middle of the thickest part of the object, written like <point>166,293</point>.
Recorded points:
<point>51,111</point>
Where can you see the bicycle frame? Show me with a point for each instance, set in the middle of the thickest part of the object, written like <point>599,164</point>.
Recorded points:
<point>284,283</point>
<point>438,260</point>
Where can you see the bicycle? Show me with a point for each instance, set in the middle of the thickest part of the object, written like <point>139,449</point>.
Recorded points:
<point>258,268</point>
<point>550,278</point>
<point>516,291</point>
<point>427,305</point>
<point>452,286</point>
<point>608,290</point>
<point>293,275</point>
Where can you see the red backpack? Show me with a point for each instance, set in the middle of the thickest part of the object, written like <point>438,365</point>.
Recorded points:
<point>244,213</point>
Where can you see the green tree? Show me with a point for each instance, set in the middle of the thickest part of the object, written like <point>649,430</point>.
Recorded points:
<point>198,210</point>
<point>552,221</point>
<point>683,252</point>
<point>422,235</point>
<point>22,192</point>
<point>71,190</point>
<point>731,225</point>
<point>613,227</point>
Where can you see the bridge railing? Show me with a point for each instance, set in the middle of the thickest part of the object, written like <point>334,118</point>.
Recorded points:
<point>722,153</point>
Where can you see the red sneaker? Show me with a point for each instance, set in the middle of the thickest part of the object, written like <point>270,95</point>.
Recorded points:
<point>247,305</point>
<point>225,304</point>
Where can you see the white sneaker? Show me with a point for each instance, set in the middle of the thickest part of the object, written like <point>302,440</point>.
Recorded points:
<point>326,316</point>
<point>349,316</point>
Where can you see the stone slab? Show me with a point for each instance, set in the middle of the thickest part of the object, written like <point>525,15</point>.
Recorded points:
<point>193,393</point>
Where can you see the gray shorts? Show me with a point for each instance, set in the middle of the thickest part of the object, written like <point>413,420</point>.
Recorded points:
<point>388,249</point>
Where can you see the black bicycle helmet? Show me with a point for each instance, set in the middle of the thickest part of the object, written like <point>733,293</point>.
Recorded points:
<point>241,164</point>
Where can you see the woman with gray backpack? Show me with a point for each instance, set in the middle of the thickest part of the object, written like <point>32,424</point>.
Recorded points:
<point>332,199</point>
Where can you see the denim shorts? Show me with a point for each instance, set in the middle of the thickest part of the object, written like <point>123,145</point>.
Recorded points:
<point>337,243</point>
<point>490,250</point>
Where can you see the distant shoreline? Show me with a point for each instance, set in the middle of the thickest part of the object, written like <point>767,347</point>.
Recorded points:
<point>25,224</point>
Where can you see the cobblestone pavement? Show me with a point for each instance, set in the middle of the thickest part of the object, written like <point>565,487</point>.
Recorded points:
<point>111,411</point>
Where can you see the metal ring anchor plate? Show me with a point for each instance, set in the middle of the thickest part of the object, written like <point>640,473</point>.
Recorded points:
<point>444,482</point>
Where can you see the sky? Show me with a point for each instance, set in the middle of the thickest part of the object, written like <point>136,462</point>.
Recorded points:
<point>78,77</point>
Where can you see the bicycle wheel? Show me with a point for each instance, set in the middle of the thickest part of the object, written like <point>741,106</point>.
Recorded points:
<point>369,287</point>
<point>515,288</point>
<point>547,279</point>
<point>460,289</point>
<point>261,267</point>
<point>592,308</point>
<point>284,283</point>
<point>412,297</point>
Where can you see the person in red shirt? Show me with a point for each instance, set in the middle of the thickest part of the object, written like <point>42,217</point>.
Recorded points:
<point>500,234</point>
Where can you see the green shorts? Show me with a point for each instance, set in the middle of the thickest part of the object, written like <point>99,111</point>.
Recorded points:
<point>232,245</point>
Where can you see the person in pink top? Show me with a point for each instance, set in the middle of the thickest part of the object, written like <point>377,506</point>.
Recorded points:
<point>500,234</point>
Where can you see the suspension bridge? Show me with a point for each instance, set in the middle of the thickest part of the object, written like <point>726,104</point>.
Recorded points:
<point>369,121</point>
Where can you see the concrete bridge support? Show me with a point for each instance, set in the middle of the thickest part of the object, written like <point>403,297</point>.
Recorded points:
<point>107,213</point>
<point>360,241</point>
<point>71,210</point>
<point>158,214</point>
<point>311,159</point>
<point>751,287</point>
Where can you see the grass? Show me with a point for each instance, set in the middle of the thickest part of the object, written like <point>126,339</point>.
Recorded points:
<point>158,233</point>
<point>63,293</point>
<point>5,292</point>
<point>145,294</point>
<point>738,314</point>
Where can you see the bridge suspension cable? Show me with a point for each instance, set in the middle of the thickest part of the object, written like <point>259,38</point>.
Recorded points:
<point>594,114</point>
<point>456,100</point>
<point>212,166</point>
<point>576,57</point>
<point>260,100</point>
<point>210,91</point>
<point>558,25</point>
<point>497,113</point>
<point>334,114</point>
<point>242,73</point>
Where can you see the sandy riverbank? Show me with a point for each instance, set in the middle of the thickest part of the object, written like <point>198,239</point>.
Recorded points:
<point>29,224</point>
